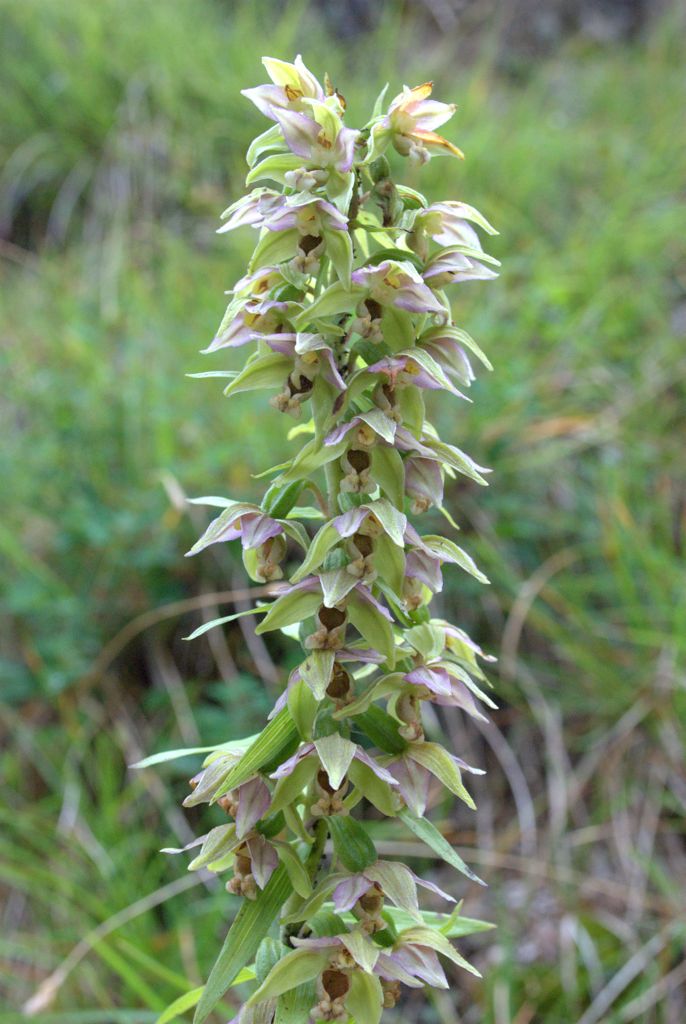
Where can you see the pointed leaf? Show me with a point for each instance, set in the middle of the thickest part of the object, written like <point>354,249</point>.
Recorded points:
<point>398,885</point>
<point>322,542</point>
<point>276,737</point>
<point>364,1001</point>
<point>335,299</point>
<point>374,789</point>
<point>448,551</point>
<point>393,521</point>
<point>295,868</point>
<point>380,423</point>
<point>268,371</point>
<point>373,626</point>
<point>424,936</point>
<point>438,761</point>
<point>335,753</point>
<point>273,168</point>
<point>458,460</point>
<point>339,249</point>
<point>218,842</point>
<point>336,585</point>
<point>316,672</point>
<point>297,967</point>
<point>378,726</point>
<point>352,844</point>
<point>249,927</point>
<point>289,788</point>
<point>289,608</point>
<point>389,472</point>
<point>207,626</point>
<point>429,834</point>
<point>303,708</point>
<point>312,456</point>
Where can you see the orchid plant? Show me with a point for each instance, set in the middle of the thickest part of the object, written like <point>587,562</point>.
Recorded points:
<point>344,303</point>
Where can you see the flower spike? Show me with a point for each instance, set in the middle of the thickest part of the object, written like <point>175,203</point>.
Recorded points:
<point>343,313</point>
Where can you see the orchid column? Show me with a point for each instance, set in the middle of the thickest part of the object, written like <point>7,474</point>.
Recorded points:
<point>344,309</point>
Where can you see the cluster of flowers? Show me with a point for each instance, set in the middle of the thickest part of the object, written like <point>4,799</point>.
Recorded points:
<point>344,301</point>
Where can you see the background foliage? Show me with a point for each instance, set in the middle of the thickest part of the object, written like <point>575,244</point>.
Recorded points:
<point>122,141</point>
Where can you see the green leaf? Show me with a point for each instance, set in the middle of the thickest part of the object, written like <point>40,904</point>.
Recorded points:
<point>335,753</point>
<point>213,623</point>
<point>268,371</point>
<point>339,249</point>
<point>427,639</point>
<point>438,761</point>
<point>316,671</point>
<point>452,456</point>
<point>269,953</point>
<point>336,584</point>
<point>389,472</point>
<point>363,950</point>
<point>352,843</point>
<point>185,1002</point>
<point>273,168</point>
<point>324,539</point>
<point>293,1007</point>
<point>308,910</point>
<point>274,247</point>
<point>411,405</point>
<point>280,499</point>
<point>218,842</point>
<point>424,936</point>
<point>448,551</point>
<point>451,925</point>
<point>374,789</point>
<point>312,456</point>
<point>429,834</point>
<point>398,885</point>
<point>295,868</point>
<point>289,788</point>
<point>396,325</point>
<point>389,560</point>
<point>277,735</point>
<point>249,927</point>
<point>373,626</point>
<point>380,423</point>
<point>393,521</point>
<point>290,608</point>
<point>375,691</point>
<point>269,139</point>
<point>411,198</point>
<point>212,779</point>
<point>173,755</point>
<point>296,968</point>
<point>334,299</point>
<point>378,726</point>
<point>364,1000</point>
<point>303,708</point>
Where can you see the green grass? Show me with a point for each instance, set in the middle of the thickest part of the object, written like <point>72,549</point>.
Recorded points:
<point>123,141</point>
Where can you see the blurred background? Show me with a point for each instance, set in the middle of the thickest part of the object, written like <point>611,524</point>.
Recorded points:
<point>123,139</point>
